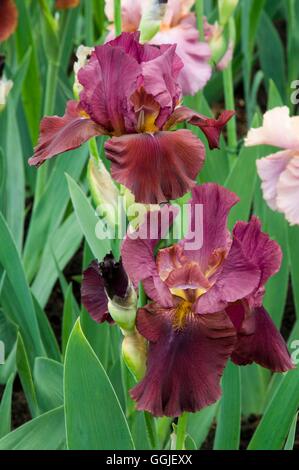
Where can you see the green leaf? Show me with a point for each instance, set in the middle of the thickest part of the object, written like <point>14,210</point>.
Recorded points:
<point>275,425</point>
<point>47,334</point>
<point>48,380</point>
<point>88,220</point>
<point>25,314</point>
<point>69,317</point>
<point>47,432</point>
<point>199,424</point>
<point>98,422</point>
<point>229,418</point>
<point>242,181</point>
<point>32,85</point>
<point>25,375</point>
<point>5,408</point>
<point>60,248</point>
<point>289,445</point>
<point>272,58</point>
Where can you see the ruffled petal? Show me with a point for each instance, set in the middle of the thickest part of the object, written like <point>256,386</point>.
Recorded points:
<point>138,254</point>
<point>156,167</point>
<point>106,95</point>
<point>288,191</point>
<point>258,248</point>
<point>8,19</point>
<point>160,80</point>
<point>269,170</point>
<point>184,366</point>
<point>259,341</point>
<point>93,294</point>
<point>212,128</point>
<point>194,54</point>
<point>216,202</point>
<point>279,130</point>
<point>65,4</point>
<point>237,279</point>
<point>60,134</point>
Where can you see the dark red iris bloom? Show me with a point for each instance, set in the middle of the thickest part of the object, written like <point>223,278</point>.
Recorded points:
<point>206,306</point>
<point>8,18</point>
<point>130,92</point>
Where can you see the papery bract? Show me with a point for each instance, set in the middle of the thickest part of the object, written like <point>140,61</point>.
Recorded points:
<point>206,306</point>
<point>154,162</point>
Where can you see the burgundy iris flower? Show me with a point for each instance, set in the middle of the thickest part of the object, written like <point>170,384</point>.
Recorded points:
<point>130,93</point>
<point>206,306</point>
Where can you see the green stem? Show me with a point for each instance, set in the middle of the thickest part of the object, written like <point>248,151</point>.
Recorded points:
<point>151,429</point>
<point>89,22</point>
<point>228,84</point>
<point>117,17</point>
<point>181,432</point>
<point>199,8</point>
<point>50,96</point>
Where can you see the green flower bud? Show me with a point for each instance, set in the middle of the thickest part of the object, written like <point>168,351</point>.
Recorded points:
<point>103,190</point>
<point>123,310</point>
<point>134,352</point>
<point>5,87</point>
<point>226,10</point>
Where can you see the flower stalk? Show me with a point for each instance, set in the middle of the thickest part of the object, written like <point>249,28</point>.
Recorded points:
<point>199,8</point>
<point>181,432</point>
<point>117,17</point>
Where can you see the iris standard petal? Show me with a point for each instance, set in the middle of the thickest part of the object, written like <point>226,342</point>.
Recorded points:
<point>184,366</point>
<point>288,191</point>
<point>60,134</point>
<point>259,341</point>
<point>212,128</point>
<point>216,202</point>
<point>156,167</point>
<point>270,169</point>
<point>106,95</point>
<point>138,254</point>
<point>279,130</point>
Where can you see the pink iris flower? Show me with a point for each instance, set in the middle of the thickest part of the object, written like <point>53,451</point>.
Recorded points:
<point>130,93</point>
<point>279,172</point>
<point>205,306</point>
<point>178,27</point>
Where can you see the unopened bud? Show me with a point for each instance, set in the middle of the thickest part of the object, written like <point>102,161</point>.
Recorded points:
<point>103,190</point>
<point>134,352</point>
<point>122,298</point>
<point>135,211</point>
<point>5,87</point>
<point>153,12</point>
<point>83,55</point>
<point>226,10</point>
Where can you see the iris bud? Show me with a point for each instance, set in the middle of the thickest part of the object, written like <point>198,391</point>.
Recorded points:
<point>134,352</point>
<point>103,190</point>
<point>83,54</point>
<point>122,298</point>
<point>226,10</point>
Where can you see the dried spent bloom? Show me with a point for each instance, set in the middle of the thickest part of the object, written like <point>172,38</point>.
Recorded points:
<point>279,172</point>
<point>178,26</point>
<point>138,113</point>
<point>65,4</point>
<point>8,18</point>
<point>206,305</point>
